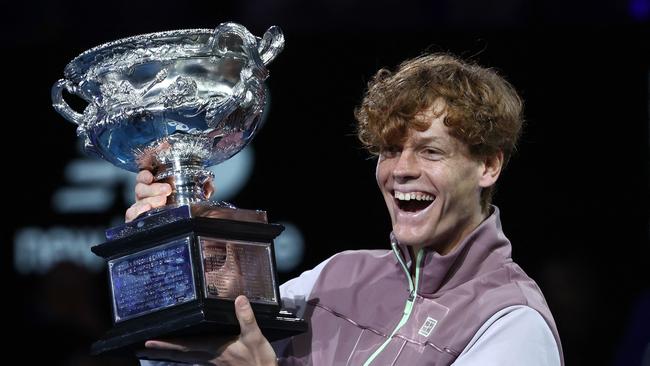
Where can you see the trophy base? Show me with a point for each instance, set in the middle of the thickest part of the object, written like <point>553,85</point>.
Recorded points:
<point>176,273</point>
<point>166,215</point>
<point>194,320</point>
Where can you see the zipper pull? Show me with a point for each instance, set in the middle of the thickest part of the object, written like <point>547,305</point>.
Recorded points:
<point>412,295</point>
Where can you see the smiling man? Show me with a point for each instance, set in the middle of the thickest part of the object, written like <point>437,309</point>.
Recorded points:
<point>432,185</point>
<point>448,292</point>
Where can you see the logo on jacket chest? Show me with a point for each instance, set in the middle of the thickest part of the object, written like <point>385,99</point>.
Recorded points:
<point>428,326</point>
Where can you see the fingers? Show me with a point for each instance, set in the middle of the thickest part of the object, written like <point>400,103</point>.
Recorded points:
<point>190,357</point>
<point>247,323</point>
<point>209,189</point>
<point>210,344</point>
<point>144,176</point>
<point>144,190</point>
<point>251,336</point>
<point>148,195</point>
<point>144,205</point>
<point>135,210</point>
<point>170,345</point>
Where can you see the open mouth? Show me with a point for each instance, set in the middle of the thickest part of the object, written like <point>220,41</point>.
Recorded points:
<point>413,201</point>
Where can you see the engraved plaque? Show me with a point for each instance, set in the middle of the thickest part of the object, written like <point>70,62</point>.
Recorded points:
<point>232,268</point>
<point>151,280</point>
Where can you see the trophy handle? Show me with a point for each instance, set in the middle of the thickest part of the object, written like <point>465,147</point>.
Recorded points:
<point>267,48</point>
<point>219,41</point>
<point>271,44</point>
<point>60,105</point>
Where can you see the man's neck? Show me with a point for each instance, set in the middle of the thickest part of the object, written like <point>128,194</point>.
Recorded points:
<point>448,245</point>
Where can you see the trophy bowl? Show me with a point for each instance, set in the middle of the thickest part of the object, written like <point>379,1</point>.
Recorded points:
<point>176,103</point>
<point>172,102</point>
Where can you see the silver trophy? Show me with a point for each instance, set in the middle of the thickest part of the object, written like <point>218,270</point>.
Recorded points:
<point>176,103</point>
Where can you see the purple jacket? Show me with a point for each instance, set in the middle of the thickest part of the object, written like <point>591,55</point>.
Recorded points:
<point>364,308</point>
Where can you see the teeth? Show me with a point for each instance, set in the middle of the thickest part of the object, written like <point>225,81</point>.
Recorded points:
<point>413,196</point>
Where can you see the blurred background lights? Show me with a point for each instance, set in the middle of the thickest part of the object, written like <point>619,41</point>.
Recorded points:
<point>82,199</point>
<point>640,9</point>
<point>289,248</point>
<point>37,250</point>
<point>91,185</point>
<point>231,175</point>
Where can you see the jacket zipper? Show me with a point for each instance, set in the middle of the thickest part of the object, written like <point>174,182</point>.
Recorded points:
<point>409,302</point>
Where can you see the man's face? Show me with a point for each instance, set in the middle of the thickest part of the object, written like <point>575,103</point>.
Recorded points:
<point>431,186</point>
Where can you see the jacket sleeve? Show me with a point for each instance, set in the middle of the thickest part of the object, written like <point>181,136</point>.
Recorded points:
<point>295,294</point>
<point>517,335</point>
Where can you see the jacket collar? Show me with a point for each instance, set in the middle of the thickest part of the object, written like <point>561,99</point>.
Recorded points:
<point>482,250</point>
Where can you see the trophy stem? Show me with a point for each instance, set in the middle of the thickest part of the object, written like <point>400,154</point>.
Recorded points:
<point>188,179</point>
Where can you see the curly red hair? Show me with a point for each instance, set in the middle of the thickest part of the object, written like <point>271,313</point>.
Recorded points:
<point>483,110</point>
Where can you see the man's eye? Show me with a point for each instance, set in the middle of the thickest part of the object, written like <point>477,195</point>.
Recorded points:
<point>431,153</point>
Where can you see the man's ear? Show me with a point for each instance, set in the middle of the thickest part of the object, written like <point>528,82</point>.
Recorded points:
<point>490,169</point>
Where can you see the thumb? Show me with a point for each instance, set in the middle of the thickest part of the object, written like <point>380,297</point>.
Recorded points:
<point>245,315</point>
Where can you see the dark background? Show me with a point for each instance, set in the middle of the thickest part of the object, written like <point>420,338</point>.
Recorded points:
<point>574,199</point>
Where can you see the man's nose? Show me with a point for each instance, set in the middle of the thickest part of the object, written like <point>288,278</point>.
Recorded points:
<point>406,166</point>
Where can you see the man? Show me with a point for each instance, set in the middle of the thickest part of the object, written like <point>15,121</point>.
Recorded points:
<point>448,292</point>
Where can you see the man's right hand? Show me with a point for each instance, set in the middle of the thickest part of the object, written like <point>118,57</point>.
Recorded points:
<point>148,195</point>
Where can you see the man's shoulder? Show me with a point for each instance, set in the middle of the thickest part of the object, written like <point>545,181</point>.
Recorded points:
<point>507,284</point>
<point>514,281</point>
<point>341,269</point>
<point>350,265</point>
<point>504,287</point>
<point>360,254</point>
<point>516,335</point>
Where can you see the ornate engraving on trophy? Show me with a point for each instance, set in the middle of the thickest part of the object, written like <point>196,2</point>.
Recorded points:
<point>152,280</point>
<point>232,268</point>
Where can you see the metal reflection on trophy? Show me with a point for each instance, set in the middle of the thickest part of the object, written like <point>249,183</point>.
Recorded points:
<point>177,103</point>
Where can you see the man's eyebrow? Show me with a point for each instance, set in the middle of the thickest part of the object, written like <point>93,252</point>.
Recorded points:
<point>429,139</point>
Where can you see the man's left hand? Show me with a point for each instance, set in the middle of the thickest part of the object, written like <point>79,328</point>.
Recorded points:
<point>250,348</point>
